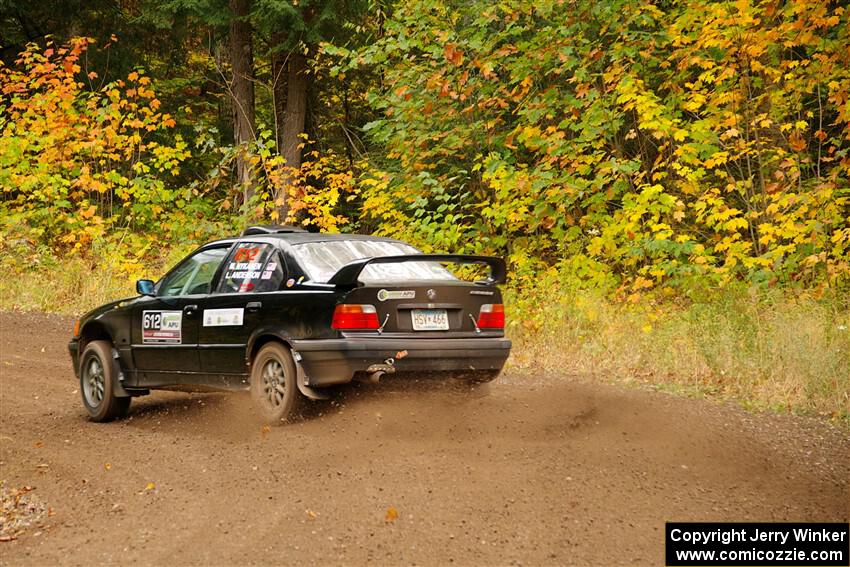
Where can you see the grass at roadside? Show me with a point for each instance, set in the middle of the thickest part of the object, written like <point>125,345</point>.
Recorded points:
<point>768,350</point>
<point>74,285</point>
<point>71,288</point>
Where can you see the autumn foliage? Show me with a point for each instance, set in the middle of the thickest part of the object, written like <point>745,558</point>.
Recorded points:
<point>80,159</point>
<point>636,144</point>
<point>629,146</point>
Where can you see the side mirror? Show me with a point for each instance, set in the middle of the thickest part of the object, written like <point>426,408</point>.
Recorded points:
<point>145,287</point>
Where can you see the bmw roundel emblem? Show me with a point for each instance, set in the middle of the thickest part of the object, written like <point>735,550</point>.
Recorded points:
<point>431,294</point>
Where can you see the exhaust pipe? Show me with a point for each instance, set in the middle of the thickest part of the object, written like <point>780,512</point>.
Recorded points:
<point>377,371</point>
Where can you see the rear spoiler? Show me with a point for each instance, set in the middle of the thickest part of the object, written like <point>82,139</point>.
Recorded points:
<point>348,274</point>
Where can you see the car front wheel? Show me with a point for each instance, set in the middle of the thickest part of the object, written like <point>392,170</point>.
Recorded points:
<point>273,384</point>
<point>97,377</point>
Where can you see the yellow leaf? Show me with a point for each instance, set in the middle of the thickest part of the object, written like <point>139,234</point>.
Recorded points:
<point>150,486</point>
<point>391,515</point>
<point>107,466</point>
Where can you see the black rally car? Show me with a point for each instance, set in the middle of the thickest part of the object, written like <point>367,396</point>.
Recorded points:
<point>286,313</point>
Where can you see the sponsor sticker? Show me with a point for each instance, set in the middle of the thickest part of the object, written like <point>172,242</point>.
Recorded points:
<point>162,327</point>
<point>384,295</point>
<point>231,317</point>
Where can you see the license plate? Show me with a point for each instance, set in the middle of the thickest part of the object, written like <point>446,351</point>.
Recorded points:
<point>430,320</point>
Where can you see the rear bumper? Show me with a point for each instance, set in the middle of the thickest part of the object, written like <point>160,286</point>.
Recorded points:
<point>335,361</point>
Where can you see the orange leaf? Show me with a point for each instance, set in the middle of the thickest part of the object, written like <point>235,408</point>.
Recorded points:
<point>453,54</point>
<point>391,515</point>
<point>797,143</point>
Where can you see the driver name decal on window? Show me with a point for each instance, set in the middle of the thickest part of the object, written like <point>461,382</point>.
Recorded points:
<point>162,327</point>
<point>252,268</point>
<point>244,264</point>
<point>243,270</point>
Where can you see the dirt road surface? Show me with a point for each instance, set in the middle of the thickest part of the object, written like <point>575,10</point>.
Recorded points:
<point>529,471</point>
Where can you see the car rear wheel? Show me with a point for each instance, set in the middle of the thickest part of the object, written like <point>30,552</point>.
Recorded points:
<point>273,384</point>
<point>98,373</point>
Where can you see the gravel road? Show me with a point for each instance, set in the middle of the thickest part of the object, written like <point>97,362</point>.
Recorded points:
<point>530,470</point>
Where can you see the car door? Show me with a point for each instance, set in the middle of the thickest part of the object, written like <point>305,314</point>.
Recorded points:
<point>164,332</point>
<point>253,272</point>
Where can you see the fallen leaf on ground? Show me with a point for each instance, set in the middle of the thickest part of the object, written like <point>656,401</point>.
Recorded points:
<point>391,515</point>
<point>150,486</point>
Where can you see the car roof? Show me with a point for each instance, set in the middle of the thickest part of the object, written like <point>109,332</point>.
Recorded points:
<point>294,238</point>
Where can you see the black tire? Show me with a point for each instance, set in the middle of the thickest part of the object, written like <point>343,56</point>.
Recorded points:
<point>98,372</point>
<point>273,385</point>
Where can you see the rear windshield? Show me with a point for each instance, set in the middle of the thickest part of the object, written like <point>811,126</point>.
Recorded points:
<point>321,260</point>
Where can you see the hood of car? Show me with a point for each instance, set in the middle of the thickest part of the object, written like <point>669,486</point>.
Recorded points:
<point>106,308</point>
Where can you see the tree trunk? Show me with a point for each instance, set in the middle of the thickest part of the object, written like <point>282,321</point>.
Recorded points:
<point>242,90</point>
<point>279,77</point>
<point>297,84</point>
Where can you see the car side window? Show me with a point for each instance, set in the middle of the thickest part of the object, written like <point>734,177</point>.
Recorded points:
<point>194,275</point>
<point>252,268</point>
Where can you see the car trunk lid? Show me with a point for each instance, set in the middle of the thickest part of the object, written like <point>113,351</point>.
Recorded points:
<point>427,309</point>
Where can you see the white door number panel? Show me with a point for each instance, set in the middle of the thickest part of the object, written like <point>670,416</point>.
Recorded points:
<point>162,327</point>
<point>224,317</point>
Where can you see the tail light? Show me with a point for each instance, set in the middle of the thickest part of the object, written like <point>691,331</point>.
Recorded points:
<point>354,316</point>
<point>491,316</point>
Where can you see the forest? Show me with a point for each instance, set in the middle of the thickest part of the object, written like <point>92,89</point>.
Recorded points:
<point>668,181</point>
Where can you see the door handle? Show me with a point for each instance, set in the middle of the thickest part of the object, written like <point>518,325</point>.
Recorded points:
<point>254,306</point>
<point>190,309</point>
